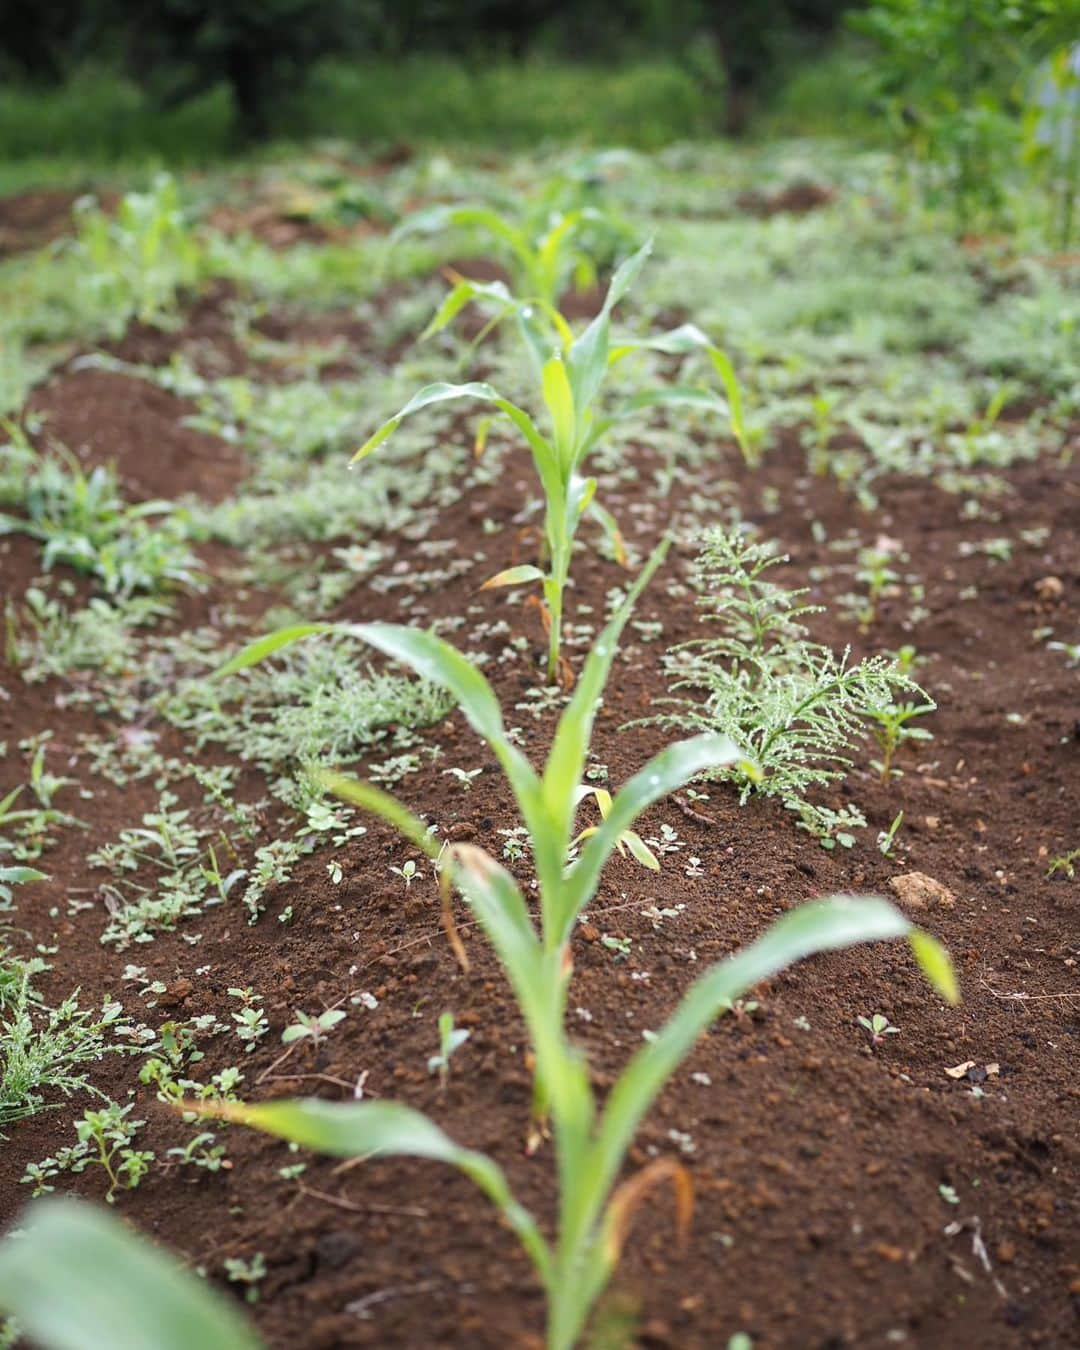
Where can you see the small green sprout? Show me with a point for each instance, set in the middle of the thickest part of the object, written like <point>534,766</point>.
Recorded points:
<point>247,1273</point>
<point>877,1028</point>
<point>451,1038</point>
<point>408,873</point>
<point>887,837</point>
<point>313,1028</point>
<point>1066,864</point>
<point>891,731</point>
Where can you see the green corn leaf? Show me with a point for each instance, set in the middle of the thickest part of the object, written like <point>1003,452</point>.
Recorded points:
<point>21,876</point>
<point>435,660</point>
<point>676,395</point>
<point>460,295</point>
<point>588,357</point>
<point>670,769</point>
<point>626,274</point>
<point>78,1278</point>
<point>573,735</point>
<point>514,576</point>
<point>266,646</point>
<point>823,925</point>
<point>358,1129</point>
<point>559,399</point>
<point>689,338</point>
<point>370,798</point>
<point>430,394</point>
<point>441,664</point>
<point>935,964</point>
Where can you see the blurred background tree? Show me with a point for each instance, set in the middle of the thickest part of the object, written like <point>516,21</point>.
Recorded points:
<point>263,50</point>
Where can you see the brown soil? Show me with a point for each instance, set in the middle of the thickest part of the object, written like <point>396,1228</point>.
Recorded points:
<point>816,1161</point>
<point>104,417</point>
<point>30,219</point>
<point>796,199</point>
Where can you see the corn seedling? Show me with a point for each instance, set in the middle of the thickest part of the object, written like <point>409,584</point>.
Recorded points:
<point>595,1209</point>
<point>572,371</point>
<point>547,240</point>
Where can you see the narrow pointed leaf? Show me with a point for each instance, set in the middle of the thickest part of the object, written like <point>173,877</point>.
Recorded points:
<point>430,394</point>
<point>935,964</point>
<point>358,1129</point>
<point>267,645</point>
<point>514,576</point>
<point>573,735</point>
<point>824,925</point>
<point>665,772</point>
<point>371,798</point>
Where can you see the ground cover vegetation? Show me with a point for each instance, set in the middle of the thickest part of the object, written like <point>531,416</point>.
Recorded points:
<point>517,785</point>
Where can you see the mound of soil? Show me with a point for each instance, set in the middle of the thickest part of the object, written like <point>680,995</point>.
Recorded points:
<point>109,418</point>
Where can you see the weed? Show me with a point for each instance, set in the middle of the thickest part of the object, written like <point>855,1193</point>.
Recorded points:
<point>886,838</point>
<point>136,260</point>
<point>877,1028</point>
<point>407,872</point>
<point>246,1273</point>
<point>1065,864</point>
<point>81,520</point>
<point>313,1028</point>
<point>451,1038</point>
<point>891,731</point>
<point>49,1050</point>
<point>104,1138</point>
<point>793,708</point>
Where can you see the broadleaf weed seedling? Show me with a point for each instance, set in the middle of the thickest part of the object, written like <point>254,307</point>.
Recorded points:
<point>891,731</point>
<point>312,1027</point>
<point>877,1028</point>
<point>594,1210</point>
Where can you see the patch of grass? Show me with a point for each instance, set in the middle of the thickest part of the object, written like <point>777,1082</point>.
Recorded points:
<point>45,1051</point>
<point>81,520</point>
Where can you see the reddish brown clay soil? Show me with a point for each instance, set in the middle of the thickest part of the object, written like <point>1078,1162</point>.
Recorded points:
<point>817,1162</point>
<point>102,416</point>
<point>30,219</point>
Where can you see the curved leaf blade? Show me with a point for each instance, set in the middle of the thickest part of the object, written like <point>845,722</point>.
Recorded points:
<point>79,1279</point>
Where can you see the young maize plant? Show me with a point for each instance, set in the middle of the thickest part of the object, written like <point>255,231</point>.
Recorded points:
<point>595,1208</point>
<point>572,372</point>
<point>547,240</point>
